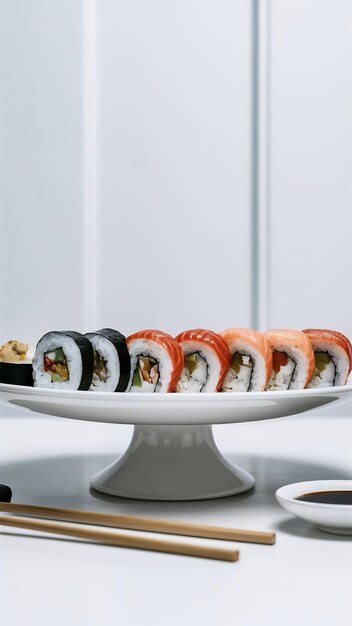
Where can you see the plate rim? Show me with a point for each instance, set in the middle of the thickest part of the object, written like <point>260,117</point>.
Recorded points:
<point>171,397</point>
<point>191,409</point>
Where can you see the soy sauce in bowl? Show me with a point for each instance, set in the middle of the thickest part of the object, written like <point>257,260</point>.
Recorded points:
<point>325,503</point>
<point>327,497</point>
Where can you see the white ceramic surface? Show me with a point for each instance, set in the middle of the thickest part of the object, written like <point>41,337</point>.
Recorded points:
<point>173,408</point>
<point>172,454</point>
<point>172,463</point>
<point>332,518</point>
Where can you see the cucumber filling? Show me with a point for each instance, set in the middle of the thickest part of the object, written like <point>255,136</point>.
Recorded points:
<point>282,372</point>
<point>100,372</point>
<point>239,376</point>
<point>324,372</point>
<point>194,373</point>
<point>55,363</point>
<point>146,375</point>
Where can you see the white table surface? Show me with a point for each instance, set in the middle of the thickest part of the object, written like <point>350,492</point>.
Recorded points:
<point>305,579</point>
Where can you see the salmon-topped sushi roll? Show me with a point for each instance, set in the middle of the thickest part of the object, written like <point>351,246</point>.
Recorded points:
<point>206,361</point>
<point>293,359</point>
<point>251,360</point>
<point>156,361</point>
<point>332,355</point>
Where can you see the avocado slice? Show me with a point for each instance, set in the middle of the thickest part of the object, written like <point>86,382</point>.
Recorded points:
<point>322,359</point>
<point>191,362</point>
<point>236,362</point>
<point>137,382</point>
<point>59,356</point>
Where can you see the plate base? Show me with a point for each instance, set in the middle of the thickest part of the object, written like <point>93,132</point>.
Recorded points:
<point>172,463</point>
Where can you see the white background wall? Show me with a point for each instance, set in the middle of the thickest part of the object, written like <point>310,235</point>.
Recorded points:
<point>172,149</point>
<point>311,164</point>
<point>41,167</point>
<point>129,164</point>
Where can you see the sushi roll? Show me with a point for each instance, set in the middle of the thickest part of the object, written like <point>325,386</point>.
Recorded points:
<point>63,360</point>
<point>332,356</point>
<point>293,359</point>
<point>156,362</point>
<point>206,361</point>
<point>251,360</point>
<point>112,366</point>
<point>15,364</point>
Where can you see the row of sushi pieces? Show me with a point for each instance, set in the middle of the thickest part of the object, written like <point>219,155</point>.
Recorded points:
<point>236,359</point>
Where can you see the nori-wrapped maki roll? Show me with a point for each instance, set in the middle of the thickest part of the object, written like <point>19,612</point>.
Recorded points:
<point>112,365</point>
<point>15,365</point>
<point>63,360</point>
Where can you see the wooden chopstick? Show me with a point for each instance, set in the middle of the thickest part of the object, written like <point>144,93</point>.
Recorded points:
<point>121,539</point>
<point>141,523</point>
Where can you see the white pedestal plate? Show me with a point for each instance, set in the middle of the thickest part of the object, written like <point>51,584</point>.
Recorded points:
<point>172,454</point>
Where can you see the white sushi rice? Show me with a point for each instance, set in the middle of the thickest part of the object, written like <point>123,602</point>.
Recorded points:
<point>193,382</point>
<point>282,380</point>
<point>108,352</point>
<point>148,347</point>
<point>257,376</point>
<point>207,373</point>
<point>73,357</point>
<point>326,378</point>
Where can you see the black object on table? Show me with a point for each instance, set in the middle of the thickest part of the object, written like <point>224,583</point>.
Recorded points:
<point>5,493</point>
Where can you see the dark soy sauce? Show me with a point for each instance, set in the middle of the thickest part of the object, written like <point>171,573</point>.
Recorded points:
<point>327,497</point>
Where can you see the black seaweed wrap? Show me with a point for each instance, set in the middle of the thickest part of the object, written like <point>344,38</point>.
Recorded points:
<point>119,342</point>
<point>16,374</point>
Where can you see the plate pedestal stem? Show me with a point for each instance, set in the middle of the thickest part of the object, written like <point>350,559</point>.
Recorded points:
<point>172,463</point>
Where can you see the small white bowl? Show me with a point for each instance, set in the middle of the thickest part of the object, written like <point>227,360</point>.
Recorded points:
<point>331,518</point>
